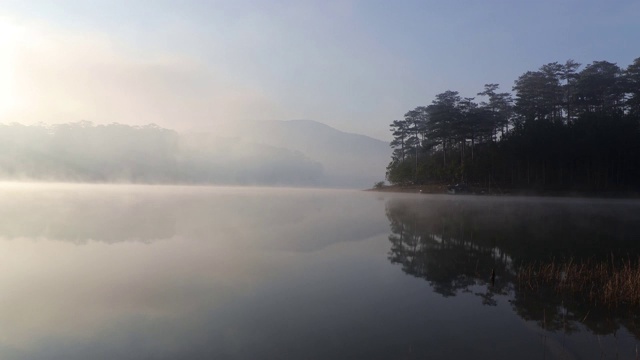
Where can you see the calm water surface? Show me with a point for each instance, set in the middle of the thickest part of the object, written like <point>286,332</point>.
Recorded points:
<point>159,272</point>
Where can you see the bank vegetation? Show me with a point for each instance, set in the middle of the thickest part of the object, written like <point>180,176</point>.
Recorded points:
<point>562,128</point>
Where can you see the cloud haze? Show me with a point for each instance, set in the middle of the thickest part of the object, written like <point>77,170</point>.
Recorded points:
<point>354,65</point>
<point>59,76</point>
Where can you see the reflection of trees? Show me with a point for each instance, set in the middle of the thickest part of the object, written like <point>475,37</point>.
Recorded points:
<point>454,243</point>
<point>79,215</point>
<point>442,250</point>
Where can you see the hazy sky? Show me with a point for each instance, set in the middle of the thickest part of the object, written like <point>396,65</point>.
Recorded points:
<point>354,65</point>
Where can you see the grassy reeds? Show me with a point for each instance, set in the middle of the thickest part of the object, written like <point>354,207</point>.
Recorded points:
<point>604,283</point>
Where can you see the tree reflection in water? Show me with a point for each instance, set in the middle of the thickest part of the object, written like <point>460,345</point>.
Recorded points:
<point>454,243</point>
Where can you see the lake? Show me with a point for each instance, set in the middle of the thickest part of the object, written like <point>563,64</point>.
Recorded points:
<point>171,272</point>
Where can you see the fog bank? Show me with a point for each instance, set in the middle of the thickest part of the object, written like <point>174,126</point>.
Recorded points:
<point>85,152</point>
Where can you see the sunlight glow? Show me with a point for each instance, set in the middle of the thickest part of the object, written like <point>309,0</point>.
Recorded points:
<point>10,36</point>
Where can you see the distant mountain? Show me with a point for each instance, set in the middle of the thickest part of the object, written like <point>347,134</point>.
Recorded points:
<point>84,152</point>
<point>232,160</point>
<point>278,153</point>
<point>348,160</point>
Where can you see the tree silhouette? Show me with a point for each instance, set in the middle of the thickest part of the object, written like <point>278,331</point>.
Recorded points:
<point>563,129</point>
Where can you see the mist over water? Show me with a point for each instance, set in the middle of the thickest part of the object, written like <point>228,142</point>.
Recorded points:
<point>272,153</point>
<point>195,272</point>
<point>131,271</point>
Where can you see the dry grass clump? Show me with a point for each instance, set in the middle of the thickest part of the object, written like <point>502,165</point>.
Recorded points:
<point>603,283</point>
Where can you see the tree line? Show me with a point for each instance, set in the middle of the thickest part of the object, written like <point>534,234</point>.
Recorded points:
<point>562,128</point>
<point>87,152</point>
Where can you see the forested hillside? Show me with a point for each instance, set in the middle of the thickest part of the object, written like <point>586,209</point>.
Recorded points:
<point>288,153</point>
<point>562,128</point>
<point>86,152</point>
<point>348,159</point>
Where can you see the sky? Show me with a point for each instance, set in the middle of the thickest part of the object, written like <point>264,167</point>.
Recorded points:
<point>354,65</point>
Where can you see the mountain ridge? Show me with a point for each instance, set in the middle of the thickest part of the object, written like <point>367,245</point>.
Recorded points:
<point>349,159</point>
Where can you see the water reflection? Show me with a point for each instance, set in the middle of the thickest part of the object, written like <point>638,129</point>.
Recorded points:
<point>118,272</point>
<point>455,243</point>
<point>287,218</point>
<point>78,214</point>
<point>132,272</point>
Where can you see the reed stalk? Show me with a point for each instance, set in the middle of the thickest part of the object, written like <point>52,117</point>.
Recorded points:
<point>604,283</point>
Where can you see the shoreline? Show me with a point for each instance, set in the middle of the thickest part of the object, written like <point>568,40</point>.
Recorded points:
<point>442,189</point>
